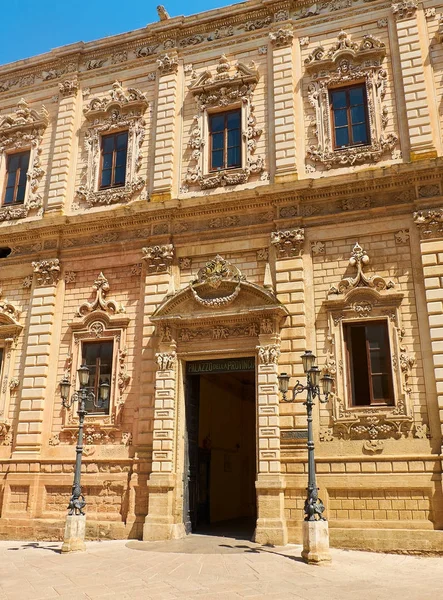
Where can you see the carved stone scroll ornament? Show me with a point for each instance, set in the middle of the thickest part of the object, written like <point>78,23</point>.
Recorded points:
<point>101,288</point>
<point>268,354</point>
<point>288,243</point>
<point>158,258</point>
<point>47,272</point>
<point>429,222</point>
<point>218,274</point>
<point>23,131</point>
<point>228,87</point>
<point>9,311</point>
<point>349,62</point>
<point>165,360</point>
<point>119,110</point>
<point>358,259</point>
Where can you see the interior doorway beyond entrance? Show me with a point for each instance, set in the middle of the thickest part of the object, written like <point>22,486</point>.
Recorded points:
<point>220,446</point>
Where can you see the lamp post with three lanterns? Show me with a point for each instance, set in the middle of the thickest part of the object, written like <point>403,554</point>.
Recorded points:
<point>76,519</point>
<point>315,526</point>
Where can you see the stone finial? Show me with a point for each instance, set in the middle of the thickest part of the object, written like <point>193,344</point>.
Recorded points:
<point>101,288</point>
<point>163,14</point>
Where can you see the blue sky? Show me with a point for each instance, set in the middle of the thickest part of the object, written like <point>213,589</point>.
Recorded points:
<point>32,27</point>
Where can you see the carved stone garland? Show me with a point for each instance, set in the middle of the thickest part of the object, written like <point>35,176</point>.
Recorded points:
<point>349,62</point>
<point>20,132</point>
<point>120,110</point>
<point>224,89</point>
<point>365,297</point>
<point>214,274</point>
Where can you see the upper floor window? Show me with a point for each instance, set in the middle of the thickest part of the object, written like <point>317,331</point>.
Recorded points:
<point>97,356</point>
<point>225,140</point>
<point>16,177</point>
<point>114,150</point>
<point>369,360</point>
<point>349,116</point>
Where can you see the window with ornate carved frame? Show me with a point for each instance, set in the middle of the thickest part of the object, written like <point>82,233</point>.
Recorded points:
<point>102,320</point>
<point>367,299</point>
<point>10,329</point>
<point>120,110</point>
<point>223,92</point>
<point>349,63</point>
<point>20,132</point>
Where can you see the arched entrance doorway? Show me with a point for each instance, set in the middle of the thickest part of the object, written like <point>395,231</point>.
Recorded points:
<point>216,387</point>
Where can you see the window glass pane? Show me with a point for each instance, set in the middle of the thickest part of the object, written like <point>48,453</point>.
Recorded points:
<point>233,156</point>
<point>342,137</point>
<point>217,159</point>
<point>377,337</point>
<point>24,162</point>
<point>120,160</point>
<point>122,141</point>
<point>356,95</point>
<point>98,359</point>
<point>233,120</point>
<point>359,134</point>
<point>107,161</point>
<point>217,123</point>
<point>9,195</point>
<point>340,117</point>
<point>106,178</point>
<point>356,346</point>
<point>11,179</point>
<point>108,143</point>
<point>358,114</point>
<point>119,178</point>
<point>339,99</point>
<point>234,137</point>
<point>217,141</point>
<point>22,177</point>
<point>20,193</point>
<point>13,162</point>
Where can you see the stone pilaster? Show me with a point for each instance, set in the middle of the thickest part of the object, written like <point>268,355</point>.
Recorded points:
<point>271,522</point>
<point>418,89</point>
<point>165,134</point>
<point>284,104</point>
<point>36,372</point>
<point>63,164</point>
<point>430,224</point>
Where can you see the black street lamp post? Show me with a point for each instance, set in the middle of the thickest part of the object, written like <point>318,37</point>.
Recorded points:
<point>314,507</point>
<point>77,501</point>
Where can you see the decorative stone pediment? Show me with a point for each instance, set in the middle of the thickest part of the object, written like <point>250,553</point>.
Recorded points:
<point>229,84</point>
<point>100,289</point>
<point>117,99</point>
<point>23,131</point>
<point>221,295</point>
<point>368,48</point>
<point>349,62</point>
<point>120,110</point>
<point>359,259</point>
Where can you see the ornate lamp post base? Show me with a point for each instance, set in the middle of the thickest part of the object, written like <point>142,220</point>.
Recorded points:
<point>316,543</point>
<point>75,528</point>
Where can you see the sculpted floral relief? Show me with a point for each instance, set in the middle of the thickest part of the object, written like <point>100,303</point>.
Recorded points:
<point>229,87</point>
<point>349,62</point>
<point>23,131</point>
<point>120,110</point>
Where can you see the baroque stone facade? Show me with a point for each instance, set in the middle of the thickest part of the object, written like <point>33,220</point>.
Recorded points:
<point>293,246</point>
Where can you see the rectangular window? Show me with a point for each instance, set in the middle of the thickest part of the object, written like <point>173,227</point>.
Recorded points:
<point>114,150</point>
<point>16,176</point>
<point>225,140</point>
<point>349,114</point>
<point>369,360</point>
<point>97,356</point>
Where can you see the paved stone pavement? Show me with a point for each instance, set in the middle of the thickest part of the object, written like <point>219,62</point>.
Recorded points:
<point>204,567</point>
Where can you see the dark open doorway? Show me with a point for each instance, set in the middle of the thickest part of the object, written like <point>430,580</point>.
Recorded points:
<point>220,447</point>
